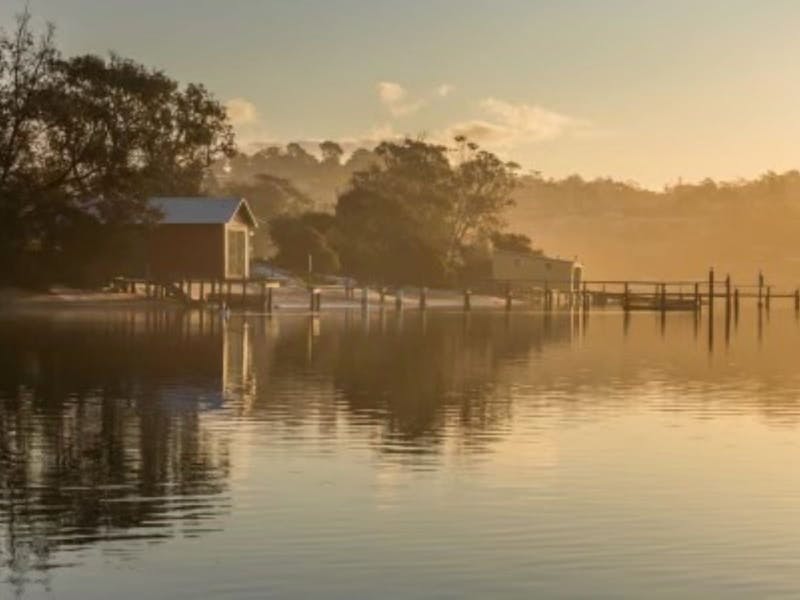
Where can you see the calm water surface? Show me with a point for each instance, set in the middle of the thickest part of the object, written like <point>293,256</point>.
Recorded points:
<point>158,455</point>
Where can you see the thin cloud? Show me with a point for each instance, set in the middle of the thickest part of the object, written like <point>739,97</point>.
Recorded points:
<point>506,124</point>
<point>241,112</point>
<point>445,90</point>
<point>396,99</point>
<point>247,123</point>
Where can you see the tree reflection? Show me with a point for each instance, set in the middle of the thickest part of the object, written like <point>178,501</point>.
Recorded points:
<point>407,376</point>
<point>101,435</point>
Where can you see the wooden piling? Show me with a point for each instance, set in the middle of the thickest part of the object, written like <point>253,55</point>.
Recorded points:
<point>736,303</point>
<point>697,301</point>
<point>467,300</point>
<point>727,294</point>
<point>797,300</point>
<point>769,293</point>
<point>244,293</point>
<point>202,291</point>
<point>626,300</point>
<point>711,291</point>
<point>509,300</point>
<point>398,299</point>
<point>423,298</point>
<point>760,289</point>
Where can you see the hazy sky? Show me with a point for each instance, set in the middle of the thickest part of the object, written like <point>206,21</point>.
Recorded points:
<point>643,90</point>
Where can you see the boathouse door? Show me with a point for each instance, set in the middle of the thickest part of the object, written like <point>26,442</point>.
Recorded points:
<point>236,253</point>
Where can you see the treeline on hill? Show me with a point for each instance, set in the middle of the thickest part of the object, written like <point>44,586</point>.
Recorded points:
<point>413,213</point>
<point>618,229</point>
<point>84,141</point>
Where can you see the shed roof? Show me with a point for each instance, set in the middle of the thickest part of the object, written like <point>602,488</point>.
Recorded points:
<point>201,210</point>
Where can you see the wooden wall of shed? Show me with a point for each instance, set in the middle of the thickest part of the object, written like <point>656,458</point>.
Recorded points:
<point>186,251</point>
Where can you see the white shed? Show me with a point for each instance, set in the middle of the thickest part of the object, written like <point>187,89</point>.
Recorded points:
<point>536,269</point>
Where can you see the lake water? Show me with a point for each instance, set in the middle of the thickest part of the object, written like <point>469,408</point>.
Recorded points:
<point>160,455</point>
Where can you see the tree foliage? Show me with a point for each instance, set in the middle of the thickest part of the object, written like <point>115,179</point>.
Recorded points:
<point>84,141</point>
<point>412,217</point>
<point>298,236</point>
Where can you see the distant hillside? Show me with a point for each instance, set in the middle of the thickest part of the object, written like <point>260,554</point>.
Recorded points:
<point>617,229</point>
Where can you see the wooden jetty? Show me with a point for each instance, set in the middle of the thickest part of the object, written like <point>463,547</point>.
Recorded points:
<point>648,295</point>
<point>627,295</point>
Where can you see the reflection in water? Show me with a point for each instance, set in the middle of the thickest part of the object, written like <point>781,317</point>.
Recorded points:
<point>101,434</point>
<point>124,429</point>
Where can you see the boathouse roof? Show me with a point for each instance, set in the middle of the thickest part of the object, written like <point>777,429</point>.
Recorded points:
<point>202,210</point>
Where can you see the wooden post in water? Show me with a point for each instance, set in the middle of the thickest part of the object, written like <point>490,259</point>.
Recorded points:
<point>663,297</point>
<point>769,293</point>
<point>509,300</point>
<point>202,291</point>
<point>398,299</point>
<point>467,300</point>
<point>228,292</point>
<point>697,302</point>
<point>797,300</point>
<point>268,305</point>
<point>736,303</point>
<point>382,296</point>
<point>711,292</point>
<point>312,299</point>
<point>760,289</point>
<point>727,294</point>
<point>244,293</point>
<point>626,299</point>
<point>423,298</point>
